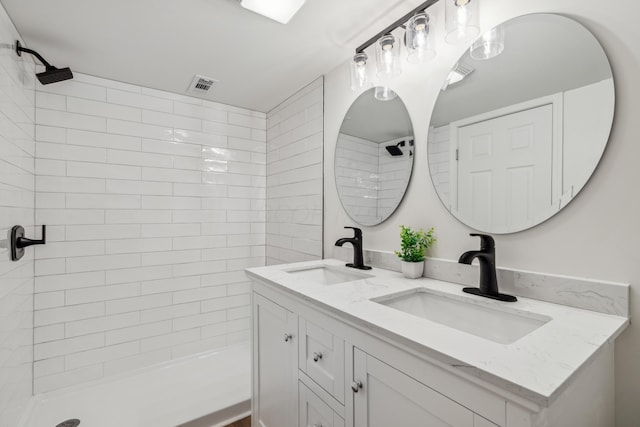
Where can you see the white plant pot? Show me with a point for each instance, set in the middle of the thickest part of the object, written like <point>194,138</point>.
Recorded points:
<point>412,270</point>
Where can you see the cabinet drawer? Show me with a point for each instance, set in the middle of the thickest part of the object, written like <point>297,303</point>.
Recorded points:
<point>314,412</point>
<point>321,357</point>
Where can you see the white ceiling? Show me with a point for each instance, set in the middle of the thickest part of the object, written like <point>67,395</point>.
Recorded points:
<point>544,54</point>
<point>162,44</point>
<point>377,121</point>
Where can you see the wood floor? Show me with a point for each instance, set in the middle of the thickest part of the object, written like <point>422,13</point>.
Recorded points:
<point>245,422</point>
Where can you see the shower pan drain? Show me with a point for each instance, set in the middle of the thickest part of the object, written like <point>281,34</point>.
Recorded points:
<point>69,423</point>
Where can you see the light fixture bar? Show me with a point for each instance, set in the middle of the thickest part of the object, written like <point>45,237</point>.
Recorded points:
<point>395,25</point>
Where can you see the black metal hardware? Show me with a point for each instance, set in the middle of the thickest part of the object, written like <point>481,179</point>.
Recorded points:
<point>356,386</point>
<point>51,74</point>
<point>356,241</point>
<point>17,241</point>
<point>488,278</point>
<point>398,23</point>
<point>288,337</point>
<point>317,356</point>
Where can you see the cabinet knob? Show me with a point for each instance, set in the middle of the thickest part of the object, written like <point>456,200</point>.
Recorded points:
<point>356,385</point>
<point>317,356</point>
<point>288,337</point>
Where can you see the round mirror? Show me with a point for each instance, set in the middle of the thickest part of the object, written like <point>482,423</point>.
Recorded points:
<point>521,123</point>
<point>373,158</point>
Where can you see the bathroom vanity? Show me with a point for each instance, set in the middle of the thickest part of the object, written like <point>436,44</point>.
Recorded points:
<point>333,346</point>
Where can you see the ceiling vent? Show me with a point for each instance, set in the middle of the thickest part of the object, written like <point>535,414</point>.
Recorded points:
<point>201,84</point>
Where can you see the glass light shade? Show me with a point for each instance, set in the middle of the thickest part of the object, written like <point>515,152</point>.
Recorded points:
<point>388,57</point>
<point>461,21</point>
<point>383,93</point>
<point>359,72</point>
<point>419,39</point>
<point>489,45</point>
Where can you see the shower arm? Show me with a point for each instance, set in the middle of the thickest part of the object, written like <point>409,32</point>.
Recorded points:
<point>20,49</point>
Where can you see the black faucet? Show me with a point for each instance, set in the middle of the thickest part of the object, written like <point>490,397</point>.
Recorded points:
<point>356,241</point>
<point>488,279</point>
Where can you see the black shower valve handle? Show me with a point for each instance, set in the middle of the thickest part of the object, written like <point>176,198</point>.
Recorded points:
<point>17,242</point>
<point>23,242</point>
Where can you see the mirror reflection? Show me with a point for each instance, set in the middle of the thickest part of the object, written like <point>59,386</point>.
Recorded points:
<point>516,132</point>
<point>373,158</point>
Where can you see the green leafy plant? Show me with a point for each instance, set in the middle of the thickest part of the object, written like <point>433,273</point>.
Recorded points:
<point>414,243</point>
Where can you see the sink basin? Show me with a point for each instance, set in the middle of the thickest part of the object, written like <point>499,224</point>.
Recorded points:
<point>492,321</point>
<point>325,275</point>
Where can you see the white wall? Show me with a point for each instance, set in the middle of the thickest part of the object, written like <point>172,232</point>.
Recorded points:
<point>294,177</point>
<point>17,147</point>
<point>596,236</point>
<point>155,205</point>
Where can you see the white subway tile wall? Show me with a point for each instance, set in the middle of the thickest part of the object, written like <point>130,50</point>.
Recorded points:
<point>356,172</point>
<point>155,204</point>
<point>371,183</point>
<point>295,177</point>
<point>439,159</point>
<point>17,147</point>
<point>394,173</point>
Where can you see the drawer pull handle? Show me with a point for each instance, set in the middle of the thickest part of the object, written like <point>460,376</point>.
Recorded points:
<point>317,356</point>
<point>356,385</point>
<point>288,337</point>
<point>317,425</point>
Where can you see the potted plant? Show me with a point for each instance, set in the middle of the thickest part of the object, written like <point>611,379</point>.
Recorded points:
<point>413,244</point>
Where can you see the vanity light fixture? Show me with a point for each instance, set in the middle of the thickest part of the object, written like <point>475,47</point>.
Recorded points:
<point>383,93</point>
<point>388,57</point>
<point>461,21</point>
<point>461,25</point>
<point>489,45</point>
<point>419,39</point>
<point>279,10</point>
<point>359,72</point>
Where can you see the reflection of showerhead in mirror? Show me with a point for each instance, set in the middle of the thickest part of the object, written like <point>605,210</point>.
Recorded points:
<point>395,150</point>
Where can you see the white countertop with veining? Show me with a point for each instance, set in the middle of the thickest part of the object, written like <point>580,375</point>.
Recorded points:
<point>537,366</point>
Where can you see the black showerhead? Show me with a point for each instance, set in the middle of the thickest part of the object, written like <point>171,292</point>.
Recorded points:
<point>395,150</point>
<point>54,75</point>
<point>51,74</point>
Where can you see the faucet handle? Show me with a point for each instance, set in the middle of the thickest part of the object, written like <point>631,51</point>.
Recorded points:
<point>357,232</point>
<point>486,241</point>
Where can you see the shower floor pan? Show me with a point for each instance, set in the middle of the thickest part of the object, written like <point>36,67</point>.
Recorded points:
<point>206,390</point>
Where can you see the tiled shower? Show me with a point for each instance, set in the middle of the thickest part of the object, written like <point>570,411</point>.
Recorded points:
<point>154,203</point>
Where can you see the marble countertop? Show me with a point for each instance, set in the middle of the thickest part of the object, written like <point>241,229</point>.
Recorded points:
<point>537,366</point>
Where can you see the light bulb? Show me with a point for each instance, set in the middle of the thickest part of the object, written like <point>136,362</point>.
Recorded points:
<point>359,72</point>
<point>387,57</point>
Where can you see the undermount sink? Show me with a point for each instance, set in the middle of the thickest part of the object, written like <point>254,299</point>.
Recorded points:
<point>487,320</point>
<point>326,275</point>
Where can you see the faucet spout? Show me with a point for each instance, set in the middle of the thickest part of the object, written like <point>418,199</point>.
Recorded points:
<point>469,256</point>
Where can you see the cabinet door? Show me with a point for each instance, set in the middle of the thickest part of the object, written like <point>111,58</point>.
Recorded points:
<point>314,412</point>
<point>388,397</point>
<point>275,365</point>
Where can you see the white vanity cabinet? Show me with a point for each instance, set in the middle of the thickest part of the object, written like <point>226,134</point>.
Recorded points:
<point>275,367</point>
<point>306,374</point>
<point>314,366</point>
<point>384,396</point>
